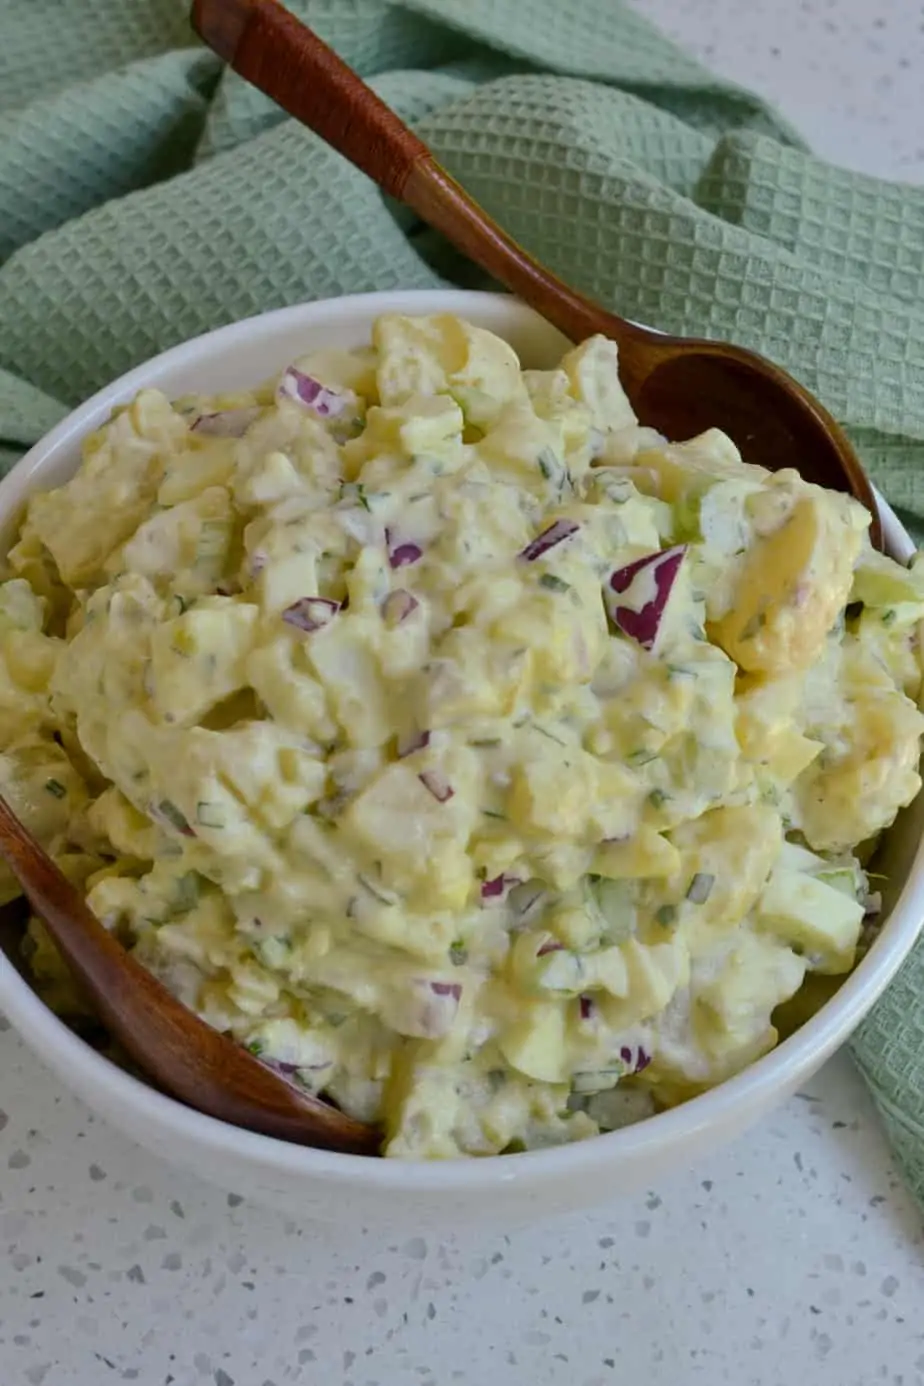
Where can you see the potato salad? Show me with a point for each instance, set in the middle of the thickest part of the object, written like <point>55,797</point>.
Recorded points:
<point>475,756</point>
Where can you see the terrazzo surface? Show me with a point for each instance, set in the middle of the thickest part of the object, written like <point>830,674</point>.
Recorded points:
<point>794,1254</point>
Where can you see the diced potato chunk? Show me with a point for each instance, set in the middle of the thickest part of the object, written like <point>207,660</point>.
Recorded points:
<point>199,658</point>
<point>794,583</point>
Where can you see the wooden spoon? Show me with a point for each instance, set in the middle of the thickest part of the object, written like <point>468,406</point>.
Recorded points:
<point>679,385</point>
<point>173,1047</point>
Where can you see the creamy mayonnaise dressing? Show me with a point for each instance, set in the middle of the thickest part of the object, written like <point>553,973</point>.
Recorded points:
<point>481,759</point>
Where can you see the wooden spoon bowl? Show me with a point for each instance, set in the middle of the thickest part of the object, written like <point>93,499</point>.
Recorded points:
<point>677,385</point>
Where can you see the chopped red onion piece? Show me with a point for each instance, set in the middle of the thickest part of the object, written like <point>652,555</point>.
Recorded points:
<point>453,989</point>
<point>303,389</point>
<point>414,741</point>
<point>291,1071</point>
<point>643,622</point>
<point>398,606</point>
<point>561,529</point>
<point>225,423</point>
<point>496,889</point>
<point>404,555</point>
<point>551,945</point>
<point>438,785</point>
<point>634,1057</point>
<point>401,555</point>
<point>587,1006</point>
<point>310,613</point>
<point>435,1010</point>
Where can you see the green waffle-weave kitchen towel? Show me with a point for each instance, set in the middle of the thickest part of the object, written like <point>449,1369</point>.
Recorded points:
<point>146,196</point>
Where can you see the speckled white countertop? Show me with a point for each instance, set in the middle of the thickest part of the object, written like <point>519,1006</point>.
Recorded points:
<point>795,1255</point>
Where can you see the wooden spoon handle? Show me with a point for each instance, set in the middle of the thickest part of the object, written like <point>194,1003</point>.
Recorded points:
<point>276,52</point>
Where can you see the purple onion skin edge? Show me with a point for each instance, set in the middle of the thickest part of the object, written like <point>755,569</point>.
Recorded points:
<point>434,783</point>
<point>645,624</point>
<point>299,613</point>
<point>555,534</point>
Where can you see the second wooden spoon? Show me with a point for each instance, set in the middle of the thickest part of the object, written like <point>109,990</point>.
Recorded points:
<point>172,1046</point>
<point>679,385</point>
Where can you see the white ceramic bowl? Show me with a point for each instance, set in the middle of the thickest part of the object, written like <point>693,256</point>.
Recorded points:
<point>387,1193</point>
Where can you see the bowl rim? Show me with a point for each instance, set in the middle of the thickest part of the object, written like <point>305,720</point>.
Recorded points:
<point>747,1092</point>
